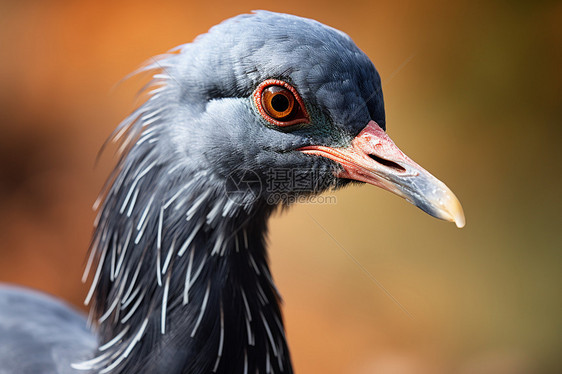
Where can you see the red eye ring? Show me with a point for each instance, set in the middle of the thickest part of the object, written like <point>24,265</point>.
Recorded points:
<point>296,116</point>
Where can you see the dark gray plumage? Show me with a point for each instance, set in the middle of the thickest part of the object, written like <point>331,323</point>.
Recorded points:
<point>39,334</point>
<point>180,279</point>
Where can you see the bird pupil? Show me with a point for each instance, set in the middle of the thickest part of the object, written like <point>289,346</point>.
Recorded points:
<point>280,103</point>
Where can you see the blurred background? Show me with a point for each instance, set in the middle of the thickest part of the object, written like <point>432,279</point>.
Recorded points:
<point>473,93</point>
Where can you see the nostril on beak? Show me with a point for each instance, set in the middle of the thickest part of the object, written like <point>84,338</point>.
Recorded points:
<point>390,164</point>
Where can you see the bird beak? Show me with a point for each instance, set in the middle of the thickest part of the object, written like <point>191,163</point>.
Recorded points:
<point>375,159</point>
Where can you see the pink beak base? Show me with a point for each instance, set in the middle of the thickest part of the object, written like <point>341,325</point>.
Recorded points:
<point>374,158</point>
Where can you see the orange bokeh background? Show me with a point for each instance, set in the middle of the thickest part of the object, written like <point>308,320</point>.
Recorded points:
<point>473,93</point>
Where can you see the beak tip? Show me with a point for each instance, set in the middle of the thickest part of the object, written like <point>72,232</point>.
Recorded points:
<point>456,213</point>
<point>452,213</point>
<point>460,221</point>
<point>445,205</point>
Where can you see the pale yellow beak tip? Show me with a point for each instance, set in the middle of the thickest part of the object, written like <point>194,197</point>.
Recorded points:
<point>460,221</point>
<point>456,212</point>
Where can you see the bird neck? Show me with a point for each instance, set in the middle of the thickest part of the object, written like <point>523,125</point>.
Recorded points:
<point>182,283</point>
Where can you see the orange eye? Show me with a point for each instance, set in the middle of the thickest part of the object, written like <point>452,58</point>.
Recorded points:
<point>279,103</point>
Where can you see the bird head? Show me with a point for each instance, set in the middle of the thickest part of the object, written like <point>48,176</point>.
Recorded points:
<point>277,105</point>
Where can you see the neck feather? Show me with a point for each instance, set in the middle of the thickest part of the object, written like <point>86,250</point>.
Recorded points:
<point>182,283</point>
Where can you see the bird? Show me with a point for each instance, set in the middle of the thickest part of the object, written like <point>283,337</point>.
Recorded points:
<point>262,109</point>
